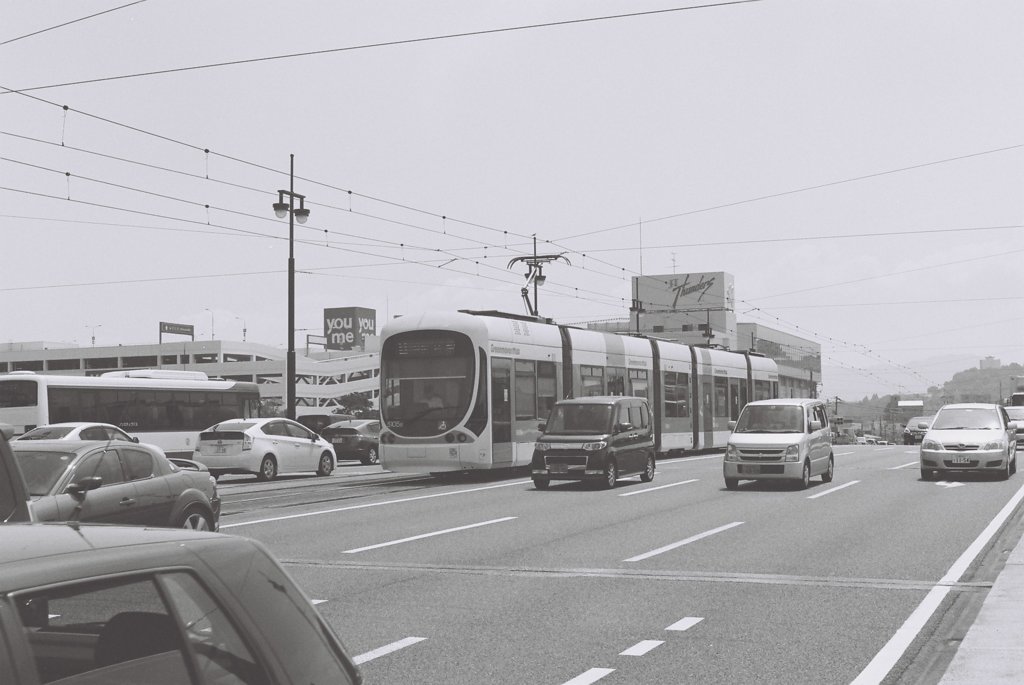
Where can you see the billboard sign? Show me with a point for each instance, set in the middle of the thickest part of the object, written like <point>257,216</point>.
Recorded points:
<point>713,290</point>
<point>177,329</point>
<point>346,328</point>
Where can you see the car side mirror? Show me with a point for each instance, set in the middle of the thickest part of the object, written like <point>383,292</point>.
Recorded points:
<point>815,426</point>
<point>78,489</point>
<point>623,427</point>
<point>7,430</point>
<point>732,425</point>
<point>135,438</point>
<point>542,426</point>
<point>1013,425</point>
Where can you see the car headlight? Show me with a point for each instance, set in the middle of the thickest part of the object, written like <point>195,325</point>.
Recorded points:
<point>931,445</point>
<point>595,446</point>
<point>994,445</point>
<point>541,447</point>
<point>793,453</point>
<point>732,453</point>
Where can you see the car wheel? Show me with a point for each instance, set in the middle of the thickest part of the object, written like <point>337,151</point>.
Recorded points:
<point>541,483</point>
<point>268,468</point>
<point>371,457</point>
<point>326,464</point>
<point>805,476</point>
<point>1006,472</point>
<point>830,471</point>
<point>648,473</point>
<point>732,483</point>
<point>194,518</point>
<point>1013,463</point>
<point>611,474</point>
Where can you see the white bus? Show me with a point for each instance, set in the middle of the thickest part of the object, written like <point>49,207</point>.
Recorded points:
<point>466,390</point>
<point>162,408</point>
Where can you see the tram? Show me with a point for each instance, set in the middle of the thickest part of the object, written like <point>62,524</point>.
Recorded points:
<point>465,390</point>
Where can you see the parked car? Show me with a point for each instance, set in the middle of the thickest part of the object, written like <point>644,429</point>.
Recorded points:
<point>913,433</point>
<point>781,439</point>
<point>265,447</point>
<point>595,439</point>
<point>114,482</point>
<point>970,437</point>
<point>77,430</point>
<point>355,439</point>
<point>114,604</point>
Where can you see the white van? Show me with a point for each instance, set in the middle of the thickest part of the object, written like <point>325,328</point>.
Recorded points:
<point>783,439</point>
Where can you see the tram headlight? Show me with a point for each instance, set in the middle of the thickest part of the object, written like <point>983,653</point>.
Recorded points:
<point>793,453</point>
<point>595,446</point>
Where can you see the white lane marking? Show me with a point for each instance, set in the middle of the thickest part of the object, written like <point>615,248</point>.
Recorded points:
<point>685,623</point>
<point>318,601</point>
<point>428,535</point>
<point>660,487</point>
<point>371,504</point>
<point>887,657</point>
<point>642,647</point>
<point>911,452</point>
<point>695,538</point>
<point>831,490</point>
<point>903,466</point>
<point>591,676</point>
<point>841,454</point>
<point>948,484</point>
<point>386,649</point>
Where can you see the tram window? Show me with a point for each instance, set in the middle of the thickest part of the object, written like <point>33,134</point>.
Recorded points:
<point>546,388</point>
<point>526,390</point>
<point>762,390</point>
<point>677,394</point>
<point>638,382</point>
<point>616,381</point>
<point>722,397</point>
<point>592,380</point>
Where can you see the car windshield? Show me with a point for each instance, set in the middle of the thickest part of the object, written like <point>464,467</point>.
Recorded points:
<point>42,470</point>
<point>771,418</point>
<point>47,433</point>
<point>580,418</point>
<point>967,418</point>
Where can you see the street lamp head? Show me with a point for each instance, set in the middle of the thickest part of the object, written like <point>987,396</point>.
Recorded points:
<point>540,279</point>
<point>281,209</point>
<point>301,214</point>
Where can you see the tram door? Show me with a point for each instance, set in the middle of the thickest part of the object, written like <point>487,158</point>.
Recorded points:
<point>501,411</point>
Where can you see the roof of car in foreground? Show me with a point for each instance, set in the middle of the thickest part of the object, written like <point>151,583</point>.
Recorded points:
<point>597,399</point>
<point>971,405</point>
<point>795,401</point>
<point>55,444</point>
<point>23,541</point>
<point>76,424</point>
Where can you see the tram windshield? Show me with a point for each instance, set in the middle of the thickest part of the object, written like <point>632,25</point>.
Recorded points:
<point>427,381</point>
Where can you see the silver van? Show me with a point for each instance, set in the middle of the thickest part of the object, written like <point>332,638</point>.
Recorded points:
<point>783,439</point>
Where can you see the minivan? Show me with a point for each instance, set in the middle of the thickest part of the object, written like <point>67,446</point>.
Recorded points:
<point>781,439</point>
<point>595,439</point>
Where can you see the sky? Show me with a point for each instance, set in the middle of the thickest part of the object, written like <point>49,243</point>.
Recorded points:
<point>856,165</point>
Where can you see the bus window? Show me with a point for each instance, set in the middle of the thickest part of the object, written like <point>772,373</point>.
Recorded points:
<point>18,394</point>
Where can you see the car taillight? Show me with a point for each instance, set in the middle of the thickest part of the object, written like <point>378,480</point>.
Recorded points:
<point>246,442</point>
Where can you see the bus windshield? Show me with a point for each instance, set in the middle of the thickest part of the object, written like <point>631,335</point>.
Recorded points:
<point>427,381</point>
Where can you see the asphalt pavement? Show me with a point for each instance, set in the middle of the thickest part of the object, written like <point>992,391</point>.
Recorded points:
<point>992,652</point>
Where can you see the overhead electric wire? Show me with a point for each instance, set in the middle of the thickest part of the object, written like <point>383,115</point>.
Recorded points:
<point>392,43</point>
<point>69,23</point>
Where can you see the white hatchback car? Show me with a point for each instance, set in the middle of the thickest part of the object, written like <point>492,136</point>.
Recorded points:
<point>265,447</point>
<point>969,437</point>
<point>77,430</point>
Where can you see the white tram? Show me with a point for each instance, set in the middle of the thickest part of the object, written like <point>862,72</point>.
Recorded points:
<point>465,390</point>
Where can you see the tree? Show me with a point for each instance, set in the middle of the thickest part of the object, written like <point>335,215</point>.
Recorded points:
<point>358,404</point>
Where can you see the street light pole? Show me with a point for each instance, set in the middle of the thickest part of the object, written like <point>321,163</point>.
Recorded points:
<point>301,214</point>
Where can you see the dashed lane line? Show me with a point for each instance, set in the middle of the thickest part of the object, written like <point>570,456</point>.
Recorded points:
<point>831,490</point>
<point>428,535</point>
<point>386,649</point>
<point>903,466</point>
<point>660,487</point>
<point>694,538</point>
<point>685,623</point>
<point>642,647</point>
<point>591,676</point>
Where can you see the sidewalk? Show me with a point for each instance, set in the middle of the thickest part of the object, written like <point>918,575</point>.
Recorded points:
<point>992,652</point>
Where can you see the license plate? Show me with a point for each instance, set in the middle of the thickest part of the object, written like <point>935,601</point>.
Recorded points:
<point>558,468</point>
<point>961,460</point>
